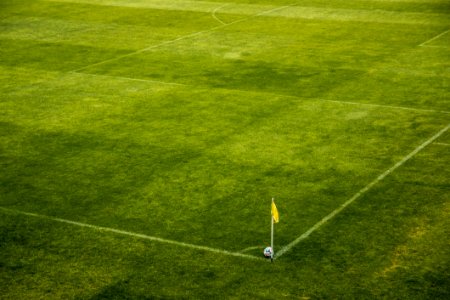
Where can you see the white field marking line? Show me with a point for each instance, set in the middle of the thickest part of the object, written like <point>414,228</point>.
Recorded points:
<point>432,46</point>
<point>215,11</point>
<point>359,194</point>
<point>442,144</point>
<point>434,38</point>
<point>268,93</point>
<point>182,38</point>
<point>132,234</point>
<point>128,78</point>
<point>385,106</point>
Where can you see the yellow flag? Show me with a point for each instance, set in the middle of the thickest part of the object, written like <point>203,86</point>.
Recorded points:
<point>275,216</point>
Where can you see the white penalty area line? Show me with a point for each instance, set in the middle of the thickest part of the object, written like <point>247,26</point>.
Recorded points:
<point>133,234</point>
<point>358,194</point>
<point>434,38</point>
<point>384,106</point>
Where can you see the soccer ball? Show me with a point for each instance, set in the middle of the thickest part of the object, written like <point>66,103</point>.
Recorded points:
<point>268,252</point>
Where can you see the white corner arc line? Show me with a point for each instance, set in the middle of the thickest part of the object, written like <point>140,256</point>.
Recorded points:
<point>133,234</point>
<point>215,11</point>
<point>358,194</point>
<point>434,38</point>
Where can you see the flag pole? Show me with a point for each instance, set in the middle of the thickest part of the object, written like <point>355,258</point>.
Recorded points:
<point>271,235</point>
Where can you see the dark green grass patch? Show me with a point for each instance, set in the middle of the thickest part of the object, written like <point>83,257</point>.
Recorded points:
<point>379,247</point>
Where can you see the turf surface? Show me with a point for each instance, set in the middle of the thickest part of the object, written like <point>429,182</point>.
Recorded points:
<point>176,122</point>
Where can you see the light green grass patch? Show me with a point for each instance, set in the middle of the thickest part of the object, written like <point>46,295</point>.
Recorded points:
<point>125,37</point>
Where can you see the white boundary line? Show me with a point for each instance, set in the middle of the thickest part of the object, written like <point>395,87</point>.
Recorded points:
<point>358,194</point>
<point>432,46</point>
<point>133,234</point>
<point>434,38</point>
<point>386,106</point>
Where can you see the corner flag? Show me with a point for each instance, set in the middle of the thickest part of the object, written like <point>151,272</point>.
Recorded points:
<point>275,216</point>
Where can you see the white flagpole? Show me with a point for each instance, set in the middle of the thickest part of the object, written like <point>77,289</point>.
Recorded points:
<point>271,234</point>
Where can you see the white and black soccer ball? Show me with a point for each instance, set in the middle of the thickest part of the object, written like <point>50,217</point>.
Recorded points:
<point>268,252</point>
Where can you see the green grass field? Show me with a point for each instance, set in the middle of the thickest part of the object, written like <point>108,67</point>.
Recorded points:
<point>141,143</point>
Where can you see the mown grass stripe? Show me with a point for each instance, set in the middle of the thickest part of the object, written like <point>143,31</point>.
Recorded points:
<point>359,194</point>
<point>83,33</point>
<point>270,94</point>
<point>295,11</point>
<point>132,234</point>
<point>152,47</point>
<point>388,106</point>
<point>182,38</point>
<point>280,11</point>
<point>129,78</point>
